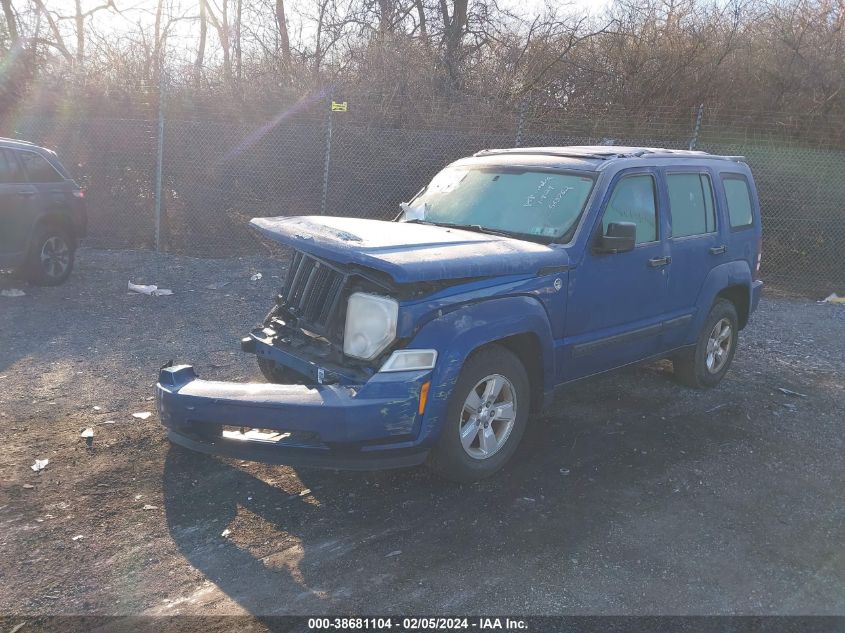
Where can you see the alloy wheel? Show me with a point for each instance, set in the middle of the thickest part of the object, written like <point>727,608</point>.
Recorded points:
<point>488,416</point>
<point>719,346</point>
<point>55,257</point>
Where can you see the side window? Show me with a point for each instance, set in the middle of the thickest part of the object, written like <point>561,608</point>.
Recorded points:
<point>10,171</point>
<point>739,200</point>
<point>38,168</point>
<point>691,204</point>
<point>633,200</point>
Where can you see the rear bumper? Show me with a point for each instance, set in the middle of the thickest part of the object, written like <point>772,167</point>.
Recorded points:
<point>373,426</point>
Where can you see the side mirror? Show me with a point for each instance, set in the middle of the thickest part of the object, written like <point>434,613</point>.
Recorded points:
<point>620,238</point>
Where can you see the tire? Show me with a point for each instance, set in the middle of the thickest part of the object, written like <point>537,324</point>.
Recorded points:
<point>461,457</point>
<point>704,366</point>
<point>51,256</point>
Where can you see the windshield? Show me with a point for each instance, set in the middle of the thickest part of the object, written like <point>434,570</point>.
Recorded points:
<point>536,204</point>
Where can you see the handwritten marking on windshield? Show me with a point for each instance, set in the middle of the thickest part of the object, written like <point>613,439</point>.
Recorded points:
<point>544,192</point>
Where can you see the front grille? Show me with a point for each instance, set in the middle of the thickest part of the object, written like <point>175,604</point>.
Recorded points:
<point>312,292</point>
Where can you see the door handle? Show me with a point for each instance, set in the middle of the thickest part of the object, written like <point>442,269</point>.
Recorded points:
<point>26,193</point>
<point>657,262</point>
<point>718,250</point>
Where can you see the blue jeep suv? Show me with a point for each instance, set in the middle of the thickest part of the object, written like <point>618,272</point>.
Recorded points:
<point>435,337</point>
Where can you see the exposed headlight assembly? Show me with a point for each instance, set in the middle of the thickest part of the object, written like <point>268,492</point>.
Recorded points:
<point>370,325</point>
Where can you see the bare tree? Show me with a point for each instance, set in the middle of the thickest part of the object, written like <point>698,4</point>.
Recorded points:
<point>284,40</point>
<point>11,21</point>
<point>203,20</point>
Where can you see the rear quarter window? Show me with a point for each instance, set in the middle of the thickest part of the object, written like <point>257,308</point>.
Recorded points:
<point>738,197</point>
<point>38,168</point>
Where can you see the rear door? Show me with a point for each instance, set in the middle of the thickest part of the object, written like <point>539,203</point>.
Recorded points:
<point>616,301</point>
<point>697,243</point>
<point>17,198</point>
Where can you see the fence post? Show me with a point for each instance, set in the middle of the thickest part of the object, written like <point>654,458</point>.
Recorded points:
<point>159,157</point>
<point>328,158</point>
<point>520,125</point>
<point>697,128</point>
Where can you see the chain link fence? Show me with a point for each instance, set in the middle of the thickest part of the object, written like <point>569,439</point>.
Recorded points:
<point>217,172</point>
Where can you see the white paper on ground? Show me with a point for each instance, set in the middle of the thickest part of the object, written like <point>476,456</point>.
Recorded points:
<point>152,290</point>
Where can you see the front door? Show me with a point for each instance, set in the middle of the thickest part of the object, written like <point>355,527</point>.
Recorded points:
<point>617,301</point>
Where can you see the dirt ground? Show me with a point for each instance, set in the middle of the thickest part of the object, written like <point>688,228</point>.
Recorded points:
<point>637,497</point>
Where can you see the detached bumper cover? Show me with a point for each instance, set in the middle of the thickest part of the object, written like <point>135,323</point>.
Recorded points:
<point>756,292</point>
<point>373,426</point>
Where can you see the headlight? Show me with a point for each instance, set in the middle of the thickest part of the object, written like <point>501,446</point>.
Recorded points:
<point>410,360</point>
<point>370,325</point>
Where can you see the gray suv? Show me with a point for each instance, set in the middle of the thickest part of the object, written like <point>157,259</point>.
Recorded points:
<point>42,213</point>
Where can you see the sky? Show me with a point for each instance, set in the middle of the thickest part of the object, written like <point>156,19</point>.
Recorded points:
<point>527,7</point>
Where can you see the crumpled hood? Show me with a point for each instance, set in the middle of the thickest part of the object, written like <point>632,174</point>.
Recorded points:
<point>410,252</point>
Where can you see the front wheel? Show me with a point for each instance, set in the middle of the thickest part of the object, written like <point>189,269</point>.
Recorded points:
<point>50,258</point>
<point>485,417</point>
<point>704,365</point>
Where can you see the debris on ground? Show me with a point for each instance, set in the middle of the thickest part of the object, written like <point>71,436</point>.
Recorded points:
<point>142,415</point>
<point>149,290</point>
<point>98,408</point>
<point>28,486</point>
<point>564,471</point>
<point>40,464</point>
<point>12,292</point>
<point>225,532</point>
<point>78,537</point>
<point>147,506</point>
<point>217,285</point>
<point>88,436</point>
<point>833,298</point>
<point>789,392</point>
<point>395,552</point>
<point>255,277</point>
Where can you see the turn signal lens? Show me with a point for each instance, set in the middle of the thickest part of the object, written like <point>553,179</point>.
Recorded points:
<point>423,397</point>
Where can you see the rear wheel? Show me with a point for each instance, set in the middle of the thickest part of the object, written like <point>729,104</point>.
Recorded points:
<point>51,256</point>
<point>485,417</point>
<point>704,365</point>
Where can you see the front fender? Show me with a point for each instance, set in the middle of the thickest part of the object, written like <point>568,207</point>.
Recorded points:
<point>457,334</point>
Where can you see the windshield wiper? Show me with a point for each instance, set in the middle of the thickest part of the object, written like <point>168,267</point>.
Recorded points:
<point>500,232</point>
<point>477,228</point>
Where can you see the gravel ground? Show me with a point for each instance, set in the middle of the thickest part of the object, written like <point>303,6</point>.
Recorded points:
<point>637,497</point>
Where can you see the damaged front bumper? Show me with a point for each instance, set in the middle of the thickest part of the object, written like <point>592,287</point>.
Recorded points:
<point>370,426</point>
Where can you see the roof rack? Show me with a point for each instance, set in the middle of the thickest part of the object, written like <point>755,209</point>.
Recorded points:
<point>598,153</point>
<point>563,152</point>
<point>4,139</point>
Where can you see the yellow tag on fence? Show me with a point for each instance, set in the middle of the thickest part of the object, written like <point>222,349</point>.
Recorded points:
<point>339,106</point>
